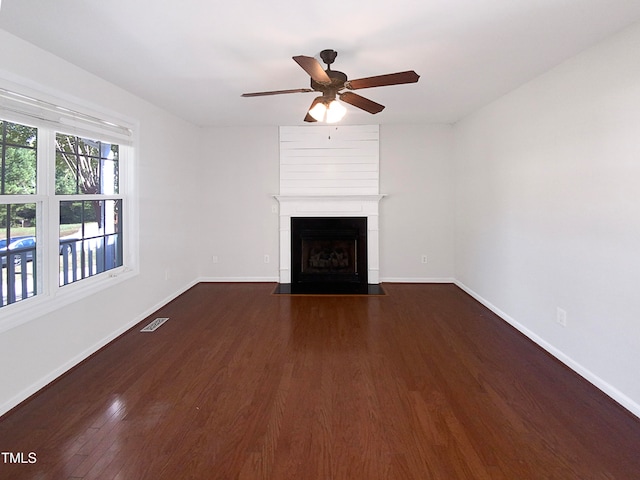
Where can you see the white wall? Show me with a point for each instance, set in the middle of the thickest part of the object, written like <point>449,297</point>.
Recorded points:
<point>238,224</point>
<point>36,352</point>
<point>548,211</point>
<point>416,172</point>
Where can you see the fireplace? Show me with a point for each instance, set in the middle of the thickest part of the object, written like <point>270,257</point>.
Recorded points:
<point>329,255</point>
<point>364,208</point>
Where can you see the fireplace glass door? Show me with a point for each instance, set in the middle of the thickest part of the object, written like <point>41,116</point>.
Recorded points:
<point>329,254</point>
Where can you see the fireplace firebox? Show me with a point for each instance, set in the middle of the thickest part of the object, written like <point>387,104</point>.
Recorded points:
<point>329,255</point>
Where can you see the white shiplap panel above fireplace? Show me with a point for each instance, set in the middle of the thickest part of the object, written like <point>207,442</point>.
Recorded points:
<point>329,160</point>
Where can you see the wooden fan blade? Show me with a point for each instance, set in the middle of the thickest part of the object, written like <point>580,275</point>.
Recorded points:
<point>277,92</point>
<point>361,102</point>
<point>383,80</point>
<point>308,117</point>
<point>313,68</point>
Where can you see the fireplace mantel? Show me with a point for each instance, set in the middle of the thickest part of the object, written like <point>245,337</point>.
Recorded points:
<point>323,198</point>
<point>330,206</point>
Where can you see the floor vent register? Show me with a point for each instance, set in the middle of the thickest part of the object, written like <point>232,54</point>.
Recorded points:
<point>154,325</point>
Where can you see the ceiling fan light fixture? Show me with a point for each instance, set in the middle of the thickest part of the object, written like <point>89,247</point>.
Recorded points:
<point>318,111</point>
<point>335,112</point>
<point>330,111</point>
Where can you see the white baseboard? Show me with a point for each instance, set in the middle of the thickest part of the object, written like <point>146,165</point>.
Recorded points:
<point>51,376</point>
<point>277,279</point>
<point>238,279</point>
<point>587,374</point>
<point>417,280</point>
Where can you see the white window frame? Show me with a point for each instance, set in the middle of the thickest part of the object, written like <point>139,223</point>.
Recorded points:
<point>52,115</point>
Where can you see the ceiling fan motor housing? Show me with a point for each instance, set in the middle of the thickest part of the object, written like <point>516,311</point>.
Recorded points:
<point>337,82</point>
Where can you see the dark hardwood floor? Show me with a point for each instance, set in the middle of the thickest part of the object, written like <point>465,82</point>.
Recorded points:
<point>423,383</point>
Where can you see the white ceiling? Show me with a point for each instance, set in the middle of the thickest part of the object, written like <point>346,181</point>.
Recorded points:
<point>195,57</point>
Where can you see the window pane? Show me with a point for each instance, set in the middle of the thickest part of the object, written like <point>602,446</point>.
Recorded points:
<point>89,148</point>
<point>111,216</point>
<point>110,167</point>
<point>110,177</point>
<point>92,218</point>
<point>89,238</point>
<point>18,159</point>
<point>109,158</point>
<point>17,221</point>
<point>66,178</point>
<point>89,175</point>
<point>18,252</point>
<point>86,166</point>
<point>21,135</point>
<point>4,232</point>
<point>19,171</point>
<point>70,219</point>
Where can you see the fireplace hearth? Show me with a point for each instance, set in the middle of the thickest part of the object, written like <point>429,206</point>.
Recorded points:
<point>329,255</point>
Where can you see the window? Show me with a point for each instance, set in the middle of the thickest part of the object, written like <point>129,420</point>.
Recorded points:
<point>65,201</point>
<point>18,152</point>
<point>90,229</point>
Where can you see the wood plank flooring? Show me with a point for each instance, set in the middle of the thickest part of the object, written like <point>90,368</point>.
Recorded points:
<point>423,383</point>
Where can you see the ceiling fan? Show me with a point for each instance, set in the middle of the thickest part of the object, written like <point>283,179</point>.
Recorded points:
<point>331,84</point>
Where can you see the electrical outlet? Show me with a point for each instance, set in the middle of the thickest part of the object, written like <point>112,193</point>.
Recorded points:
<point>561,317</point>
<point>266,259</point>
<point>424,259</point>
<point>214,259</point>
<point>167,274</point>
<point>274,209</point>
